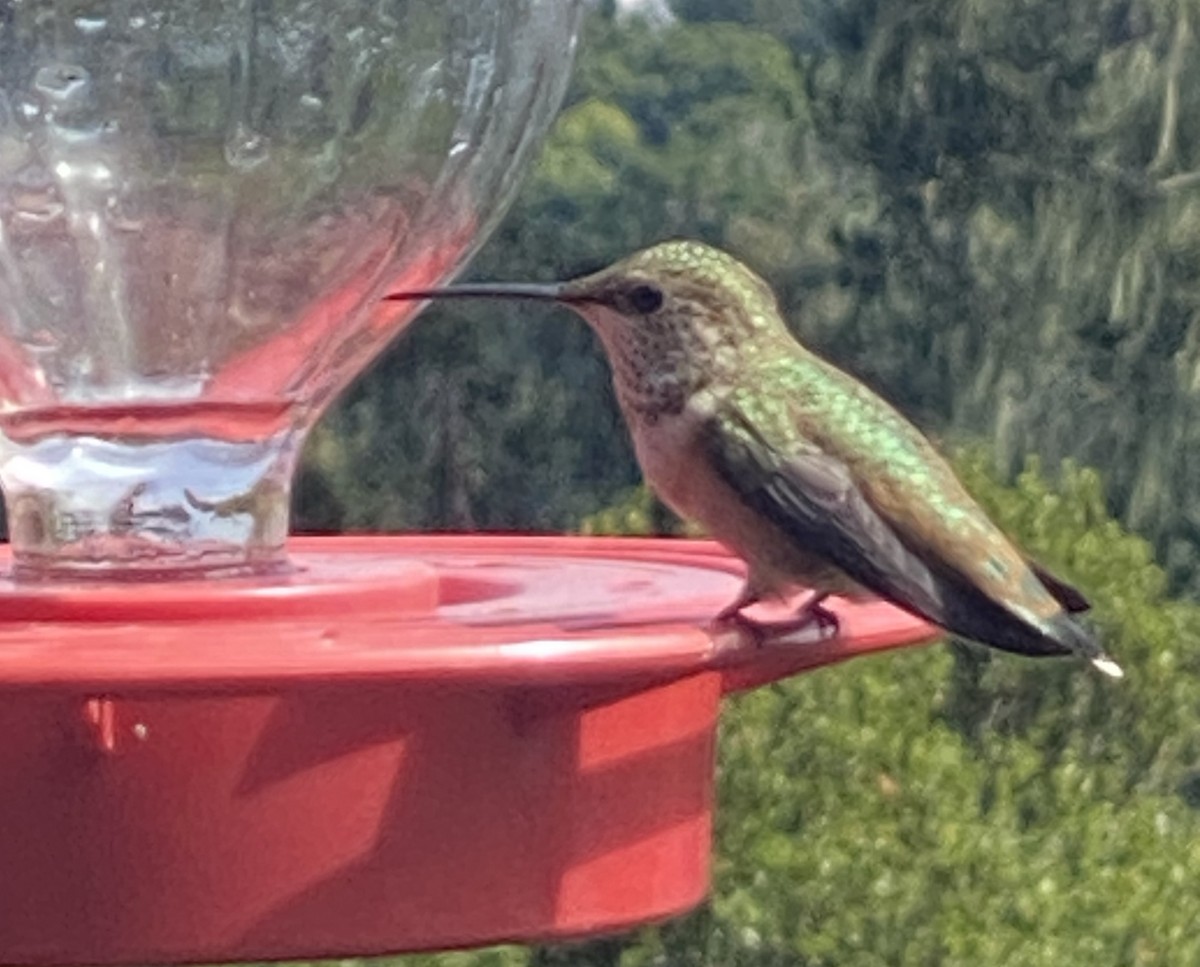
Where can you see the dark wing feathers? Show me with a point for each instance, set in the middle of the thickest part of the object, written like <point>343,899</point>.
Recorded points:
<point>1071,598</point>
<point>813,498</point>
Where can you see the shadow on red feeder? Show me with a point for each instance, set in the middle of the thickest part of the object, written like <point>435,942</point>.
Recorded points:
<point>408,743</point>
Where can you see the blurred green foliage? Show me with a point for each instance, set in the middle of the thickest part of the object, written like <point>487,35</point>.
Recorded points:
<point>990,211</point>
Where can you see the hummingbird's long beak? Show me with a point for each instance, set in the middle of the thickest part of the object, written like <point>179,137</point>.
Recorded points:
<point>486,290</point>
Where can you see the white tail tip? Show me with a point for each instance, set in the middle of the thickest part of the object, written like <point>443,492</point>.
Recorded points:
<point>1109,667</point>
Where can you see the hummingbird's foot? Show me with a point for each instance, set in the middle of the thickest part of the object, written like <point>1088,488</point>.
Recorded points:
<point>762,633</point>
<point>811,612</point>
<point>732,612</point>
<point>825,619</point>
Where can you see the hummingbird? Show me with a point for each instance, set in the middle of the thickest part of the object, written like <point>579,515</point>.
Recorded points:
<point>816,482</point>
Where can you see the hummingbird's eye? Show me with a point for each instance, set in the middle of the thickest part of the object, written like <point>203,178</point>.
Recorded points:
<point>645,298</point>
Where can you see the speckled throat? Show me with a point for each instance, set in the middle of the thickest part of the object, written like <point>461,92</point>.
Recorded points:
<point>659,362</point>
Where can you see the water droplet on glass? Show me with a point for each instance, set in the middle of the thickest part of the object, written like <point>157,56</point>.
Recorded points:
<point>95,173</point>
<point>62,82</point>
<point>121,217</point>
<point>90,25</point>
<point>38,211</point>
<point>67,97</point>
<point>34,197</point>
<point>40,341</point>
<point>246,148</point>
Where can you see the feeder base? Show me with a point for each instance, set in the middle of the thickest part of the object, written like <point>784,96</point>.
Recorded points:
<point>514,742</point>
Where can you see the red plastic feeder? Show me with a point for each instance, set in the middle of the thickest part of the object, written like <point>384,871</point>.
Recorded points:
<point>409,743</point>
<point>399,743</point>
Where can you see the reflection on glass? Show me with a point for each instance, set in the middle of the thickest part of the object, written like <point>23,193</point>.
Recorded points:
<point>199,204</point>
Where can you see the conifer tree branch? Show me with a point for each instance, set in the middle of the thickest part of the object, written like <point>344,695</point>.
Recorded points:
<point>1170,112</point>
<point>1188,179</point>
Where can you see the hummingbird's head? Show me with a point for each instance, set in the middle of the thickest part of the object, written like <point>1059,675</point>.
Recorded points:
<point>672,292</point>
<point>676,314</point>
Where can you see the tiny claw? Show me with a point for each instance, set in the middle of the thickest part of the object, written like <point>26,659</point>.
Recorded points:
<point>732,612</point>
<point>825,619</point>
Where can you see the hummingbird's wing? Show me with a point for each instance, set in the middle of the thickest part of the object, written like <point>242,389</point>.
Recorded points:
<point>1073,600</point>
<point>812,497</point>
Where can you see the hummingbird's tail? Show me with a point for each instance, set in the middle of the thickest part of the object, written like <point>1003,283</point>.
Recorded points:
<point>1060,634</point>
<point>1065,631</point>
<point>963,609</point>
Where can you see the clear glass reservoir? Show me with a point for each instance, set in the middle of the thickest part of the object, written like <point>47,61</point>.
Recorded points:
<point>200,204</point>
